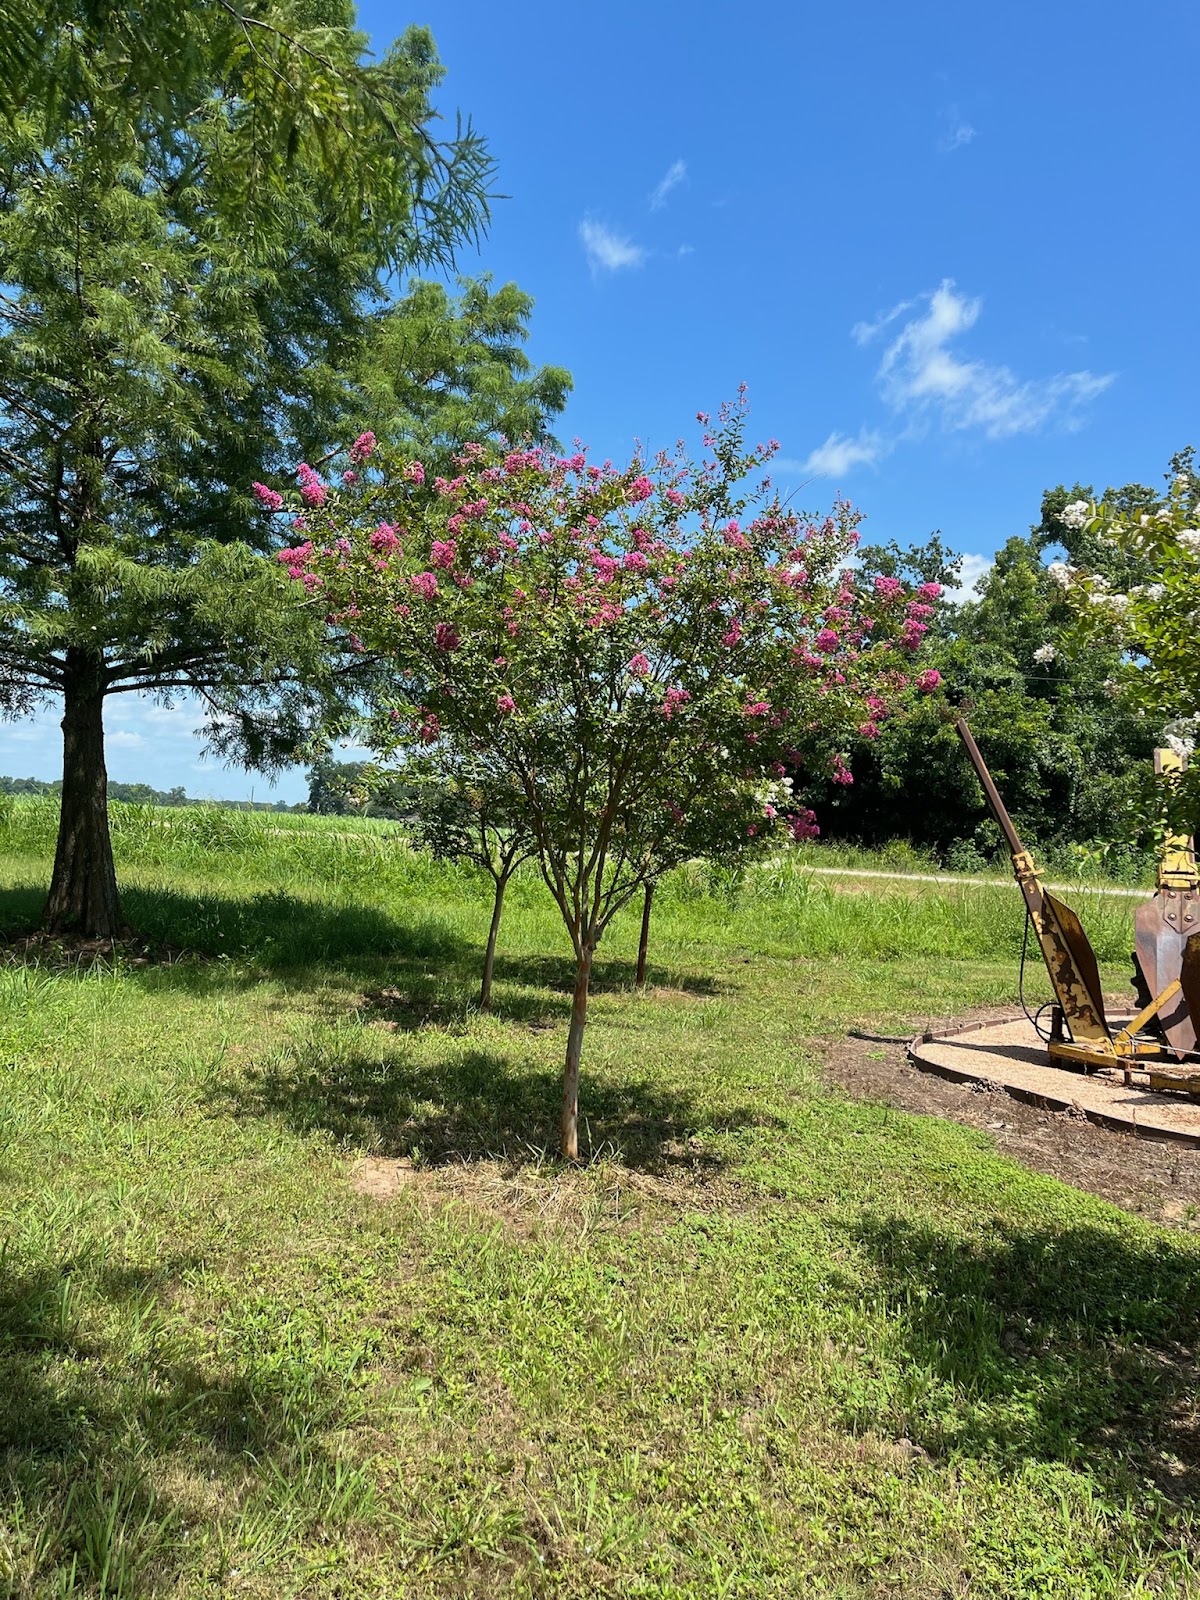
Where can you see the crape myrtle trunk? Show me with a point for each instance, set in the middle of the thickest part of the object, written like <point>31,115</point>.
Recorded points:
<point>570,1096</point>
<point>83,887</point>
<point>489,960</point>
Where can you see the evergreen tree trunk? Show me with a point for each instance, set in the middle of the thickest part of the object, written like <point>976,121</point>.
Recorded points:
<point>489,960</point>
<point>83,887</point>
<point>570,1097</point>
<point>644,941</point>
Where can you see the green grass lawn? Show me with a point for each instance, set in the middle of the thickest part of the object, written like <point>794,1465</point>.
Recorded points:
<point>767,1341</point>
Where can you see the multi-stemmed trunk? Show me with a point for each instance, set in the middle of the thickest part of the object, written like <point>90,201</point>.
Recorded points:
<point>489,960</point>
<point>644,941</point>
<point>570,1096</point>
<point>83,887</point>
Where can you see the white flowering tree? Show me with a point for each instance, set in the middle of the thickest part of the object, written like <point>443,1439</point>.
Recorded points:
<point>1155,620</point>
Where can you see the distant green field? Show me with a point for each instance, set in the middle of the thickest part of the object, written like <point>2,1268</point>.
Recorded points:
<point>767,1342</point>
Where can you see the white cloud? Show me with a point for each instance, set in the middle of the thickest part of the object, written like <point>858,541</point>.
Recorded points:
<point>920,375</point>
<point>973,568</point>
<point>864,332</point>
<point>958,130</point>
<point>841,454</point>
<point>608,251</point>
<point>125,739</point>
<point>671,179</point>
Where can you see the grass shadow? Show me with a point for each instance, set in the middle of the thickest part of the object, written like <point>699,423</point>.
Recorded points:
<point>479,1106</point>
<point>98,1393</point>
<point>1073,1344</point>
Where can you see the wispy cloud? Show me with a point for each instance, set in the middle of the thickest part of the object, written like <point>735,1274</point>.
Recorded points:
<point>671,179</point>
<point>608,251</point>
<point>973,568</point>
<point>920,375</point>
<point>958,131</point>
<point>840,453</point>
<point>864,332</point>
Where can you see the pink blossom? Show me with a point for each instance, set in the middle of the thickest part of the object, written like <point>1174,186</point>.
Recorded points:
<point>756,708</point>
<point>362,447</point>
<point>930,591</point>
<point>804,825</point>
<point>672,700</point>
<point>505,704</point>
<point>312,491</point>
<point>640,489</point>
<point>734,634</point>
<point>430,729</point>
<point>918,611</point>
<point>913,633</point>
<point>826,641</point>
<point>638,665</point>
<point>444,554</point>
<point>425,584</point>
<point>384,538</point>
<point>271,498</point>
<point>888,588</point>
<point>635,561</point>
<point>415,473</point>
<point>674,497</point>
<point>349,479</point>
<point>445,636</point>
<point>841,772</point>
<point>929,680</point>
<point>876,706</point>
<point>868,730</point>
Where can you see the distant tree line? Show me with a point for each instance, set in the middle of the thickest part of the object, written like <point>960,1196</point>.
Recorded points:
<point>142,794</point>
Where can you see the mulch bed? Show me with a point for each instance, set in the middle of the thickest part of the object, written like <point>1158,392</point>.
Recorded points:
<point>1155,1180</point>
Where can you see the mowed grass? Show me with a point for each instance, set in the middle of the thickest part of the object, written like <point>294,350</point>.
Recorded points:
<point>767,1341</point>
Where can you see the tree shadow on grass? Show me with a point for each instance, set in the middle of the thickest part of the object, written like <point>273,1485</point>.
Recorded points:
<point>480,1106</point>
<point>414,969</point>
<point>96,1396</point>
<point>1072,1344</point>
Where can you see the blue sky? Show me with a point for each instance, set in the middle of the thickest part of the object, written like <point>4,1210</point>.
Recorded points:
<point>951,249</point>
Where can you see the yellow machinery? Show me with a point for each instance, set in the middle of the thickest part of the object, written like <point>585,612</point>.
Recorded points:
<point>1167,963</point>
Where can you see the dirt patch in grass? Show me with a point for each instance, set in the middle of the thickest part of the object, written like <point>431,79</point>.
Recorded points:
<point>1153,1179</point>
<point>529,1201</point>
<point>63,951</point>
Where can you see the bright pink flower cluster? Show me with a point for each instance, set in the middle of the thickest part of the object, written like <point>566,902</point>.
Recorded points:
<point>445,636</point>
<point>638,666</point>
<point>362,448</point>
<point>672,700</point>
<point>271,498</point>
<point>424,584</point>
<point>444,554</point>
<point>928,680</point>
<point>640,489</point>
<point>385,539</point>
<point>803,825</point>
<point>888,588</point>
<point>312,491</point>
<point>505,705</point>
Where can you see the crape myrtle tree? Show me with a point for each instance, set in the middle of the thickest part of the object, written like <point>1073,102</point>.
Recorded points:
<point>644,652</point>
<point>203,212</point>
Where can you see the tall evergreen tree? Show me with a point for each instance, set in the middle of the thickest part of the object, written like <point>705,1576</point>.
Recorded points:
<point>203,210</point>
